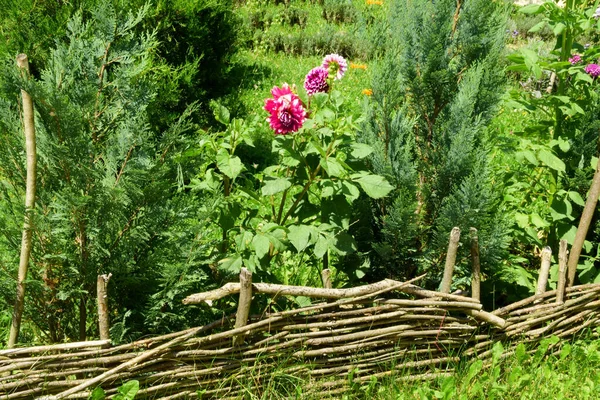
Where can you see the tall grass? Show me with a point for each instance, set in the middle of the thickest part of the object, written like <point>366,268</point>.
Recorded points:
<point>552,370</point>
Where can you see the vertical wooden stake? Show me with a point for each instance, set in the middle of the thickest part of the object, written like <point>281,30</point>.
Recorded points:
<point>450,260</point>
<point>544,270</point>
<point>562,271</point>
<point>30,150</point>
<point>584,224</point>
<point>326,276</point>
<point>241,317</point>
<point>476,279</point>
<point>102,293</point>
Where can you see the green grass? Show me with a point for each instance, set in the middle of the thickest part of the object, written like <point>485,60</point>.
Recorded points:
<point>553,370</point>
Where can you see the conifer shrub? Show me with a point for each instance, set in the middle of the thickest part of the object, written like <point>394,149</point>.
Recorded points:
<point>435,89</point>
<point>107,195</point>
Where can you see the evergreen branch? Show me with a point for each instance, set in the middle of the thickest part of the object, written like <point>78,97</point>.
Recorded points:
<point>99,92</point>
<point>123,165</point>
<point>124,230</point>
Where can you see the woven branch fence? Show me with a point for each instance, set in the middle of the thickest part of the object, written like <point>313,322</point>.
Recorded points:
<point>386,329</point>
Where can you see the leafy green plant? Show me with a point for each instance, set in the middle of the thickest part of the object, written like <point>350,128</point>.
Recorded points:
<point>302,203</point>
<point>558,146</point>
<point>125,392</point>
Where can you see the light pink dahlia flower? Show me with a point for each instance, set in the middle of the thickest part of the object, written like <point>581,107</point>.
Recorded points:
<point>336,65</point>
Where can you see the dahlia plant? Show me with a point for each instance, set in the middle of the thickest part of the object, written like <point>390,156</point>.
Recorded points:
<point>300,204</point>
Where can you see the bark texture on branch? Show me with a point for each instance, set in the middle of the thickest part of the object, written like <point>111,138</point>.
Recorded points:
<point>30,150</point>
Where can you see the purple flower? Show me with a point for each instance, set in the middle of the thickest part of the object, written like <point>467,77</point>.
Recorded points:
<point>316,81</point>
<point>593,70</point>
<point>575,59</point>
<point>515,33</point>
<point>597,13</point>
<point>286,109</point>
<point>336,65</point>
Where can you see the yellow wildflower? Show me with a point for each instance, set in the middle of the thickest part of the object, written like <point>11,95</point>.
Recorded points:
<point>368,92</point>
<point>358,66</point>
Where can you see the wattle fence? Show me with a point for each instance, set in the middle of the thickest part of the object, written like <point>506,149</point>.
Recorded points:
<point>386,329</point>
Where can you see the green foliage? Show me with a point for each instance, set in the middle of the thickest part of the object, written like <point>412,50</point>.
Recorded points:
<point>434,92</point>
<point>106,188</point>
<point>557,147</point>
<point>301,204</point>
<point>125,392</point>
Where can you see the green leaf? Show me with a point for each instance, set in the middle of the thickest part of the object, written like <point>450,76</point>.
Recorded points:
<point>584,77</point>
<point>322,245</point>
<point>360,150</point>
<point>261,245</point>
<point>537,27</point>
<point>97,394</point>
<point>220,112</point>
<point>232,264</point>
<point>230,166</point>
<point>551,160</point>
<point>531,9</point>
<point>577,199</point>
<point>559,28</point>
<point>299,236</point>
<point>350,191</point>
<point>577,108</point>
<point>529,156</point>
<point>569,235</point>
<point>375,186</point>
<point>332,166</point>
<point>128,390</point>
<point>273,186</point>
<point>344,244</point>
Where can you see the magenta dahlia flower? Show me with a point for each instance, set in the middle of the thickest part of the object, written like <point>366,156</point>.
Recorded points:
<point>286,109</point>
<point>575,59</point>
<point>593,70</point>
<point>316,81</point>
<point>336,65</point>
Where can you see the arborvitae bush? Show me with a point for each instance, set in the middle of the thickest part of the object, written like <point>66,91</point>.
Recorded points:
<point>106,197</point>
<point>434,92</point>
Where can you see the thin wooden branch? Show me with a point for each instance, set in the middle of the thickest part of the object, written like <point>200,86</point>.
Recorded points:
<point>285,290</point>
<point>476,268</point>
<point>562,271</point>
<point>584,224</point>
<point>450,260</point>
<point>326,276</point>
<point>30,150</point>
<point>102,300</point>
<point>245,301</point>
<point>544,270</point>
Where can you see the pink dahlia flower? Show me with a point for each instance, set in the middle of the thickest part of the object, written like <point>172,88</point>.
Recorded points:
<point>575,59</point>
<point>286,109</point>
<point>316,81</point>
<point>593,69</point>
<point>336,65</point>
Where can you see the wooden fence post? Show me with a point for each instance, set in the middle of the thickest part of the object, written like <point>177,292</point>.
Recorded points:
<point>326,276</point>
<point>30,151</point>
<point>241,317</point>
<point>450,260</point>
<point>102,299</point>
<point>562,271</point>
<point>544,270</point>
<point>476,279</point>
<point>584,224</point>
